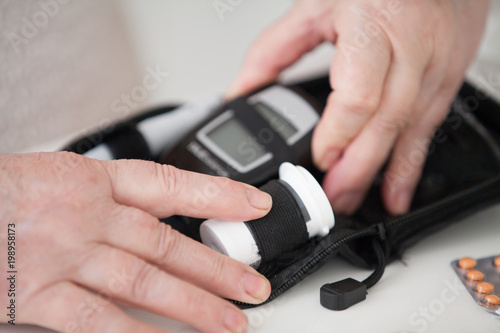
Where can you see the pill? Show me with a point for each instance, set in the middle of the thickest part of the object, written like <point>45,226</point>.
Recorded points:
<point>497,261</point>
<point>467,263</point>
<point>484,287</point>
<point>475,275</point>
<point>492,299</point>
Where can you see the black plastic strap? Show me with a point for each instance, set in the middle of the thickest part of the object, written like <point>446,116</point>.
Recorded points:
<point>123,138</point>
<point>381,262</point>
<point>283,228</point>
<point>128,142</point>
<point>342,294</point>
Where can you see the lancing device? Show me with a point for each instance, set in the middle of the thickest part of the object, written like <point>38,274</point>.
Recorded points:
<point>300,211</point>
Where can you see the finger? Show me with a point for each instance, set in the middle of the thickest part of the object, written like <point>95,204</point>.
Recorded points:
<point>163,190</point>
<point>348,181</point>
<point>357,77</point>
<point>440,84</point>
<point>127,278</point>
<point>405,168</point>
<point>65,307</point>
<point>410,153</point>
<point>277,48</point>
<point>143,235</point>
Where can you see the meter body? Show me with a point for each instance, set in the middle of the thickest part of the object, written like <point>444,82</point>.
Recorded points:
<point>249,137</point>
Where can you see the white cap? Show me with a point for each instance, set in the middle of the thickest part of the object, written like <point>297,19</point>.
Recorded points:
<point>235,240</point>
<point>312,196</point>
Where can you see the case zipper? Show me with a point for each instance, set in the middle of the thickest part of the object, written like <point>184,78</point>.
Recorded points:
<point>481,192</point>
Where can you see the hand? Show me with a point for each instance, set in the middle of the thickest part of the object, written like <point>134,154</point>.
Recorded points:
<point>397,67</point>
<point>88,238</point>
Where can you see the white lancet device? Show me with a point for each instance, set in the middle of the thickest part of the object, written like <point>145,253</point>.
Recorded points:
<point>238,240</point>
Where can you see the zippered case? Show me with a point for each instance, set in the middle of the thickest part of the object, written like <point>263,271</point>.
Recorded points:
<point>461,176</point>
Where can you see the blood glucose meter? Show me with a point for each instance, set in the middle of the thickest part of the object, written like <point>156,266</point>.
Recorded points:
<point>249,137</point>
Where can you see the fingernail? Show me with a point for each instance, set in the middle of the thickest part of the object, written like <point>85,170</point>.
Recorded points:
<point>329,158</point>
<point>401,203</point>
<point>256,286</point>
<point>259,199</point>
<point>234,321</point>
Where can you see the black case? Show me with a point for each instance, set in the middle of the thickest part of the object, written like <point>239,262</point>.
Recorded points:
<point>461,176</point>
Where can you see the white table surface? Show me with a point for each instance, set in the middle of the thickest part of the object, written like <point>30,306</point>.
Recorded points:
<point>406,289</point>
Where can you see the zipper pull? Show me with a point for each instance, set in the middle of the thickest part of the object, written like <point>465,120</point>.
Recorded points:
<point>342,294</point>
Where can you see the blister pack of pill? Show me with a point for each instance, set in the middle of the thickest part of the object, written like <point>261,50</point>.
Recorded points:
<point>481,278</point>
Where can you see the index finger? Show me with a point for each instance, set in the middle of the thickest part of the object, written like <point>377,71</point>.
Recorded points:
<point>163,190</point>
<point>143,235</point>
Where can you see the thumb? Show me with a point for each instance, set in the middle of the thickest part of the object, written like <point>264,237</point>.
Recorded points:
<point>163,190</point>
<point>277,48</point>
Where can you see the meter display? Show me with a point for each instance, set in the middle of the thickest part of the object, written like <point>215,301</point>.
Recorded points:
<point>249,137</point>
<point>235,140</point>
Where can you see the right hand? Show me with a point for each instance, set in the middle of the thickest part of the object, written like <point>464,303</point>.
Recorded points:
<point>398,67</point>
<point>88,238</point>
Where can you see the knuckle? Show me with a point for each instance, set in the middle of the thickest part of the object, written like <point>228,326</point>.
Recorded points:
<point>126,213</point>
<point>62,155</point>
<point>69,159</point>
<point>334,135</point>
<point>391,123</point>
<point>218,270</point>
<point>169,178</point>
<point>111,169</point>
<point>130,216</point>
<point>362,103</point>
<point>92,319</point>
<point>167,245</point>
<point>144,283</point>
<point>60,160</point>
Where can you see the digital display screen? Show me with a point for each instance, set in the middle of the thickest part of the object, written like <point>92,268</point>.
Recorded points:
<point>235,139</point>
<point>276,120</point>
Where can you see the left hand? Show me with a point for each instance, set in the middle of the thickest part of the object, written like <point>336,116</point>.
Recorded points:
<point>87,238</point>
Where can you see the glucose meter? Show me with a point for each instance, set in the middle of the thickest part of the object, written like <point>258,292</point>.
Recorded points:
<point>249,137</point>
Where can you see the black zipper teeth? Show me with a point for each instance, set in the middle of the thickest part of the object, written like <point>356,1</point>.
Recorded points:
<point>442,203</point>
<point>370,231</point>
<point>320,256</point>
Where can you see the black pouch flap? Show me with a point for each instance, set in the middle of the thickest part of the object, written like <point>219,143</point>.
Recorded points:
<point>459,178</point>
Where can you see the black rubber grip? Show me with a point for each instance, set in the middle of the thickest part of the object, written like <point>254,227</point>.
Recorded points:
<point>284,228</point>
